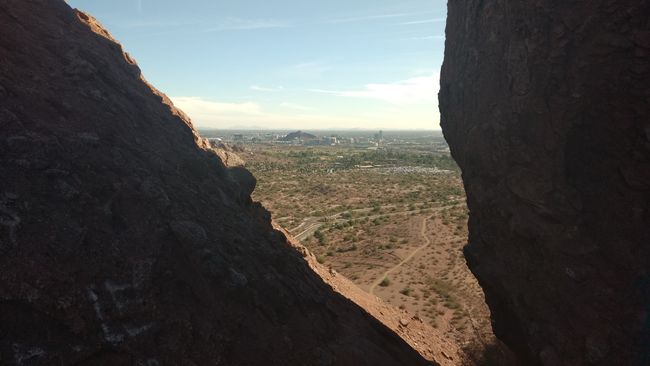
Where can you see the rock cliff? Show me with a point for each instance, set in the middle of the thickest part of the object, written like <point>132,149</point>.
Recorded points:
<point>546,107</point>
<point>124,240</point>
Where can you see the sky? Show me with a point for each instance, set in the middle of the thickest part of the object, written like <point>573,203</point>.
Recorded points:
<point>287,64</point>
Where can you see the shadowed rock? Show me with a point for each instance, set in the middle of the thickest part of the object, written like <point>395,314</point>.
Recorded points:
<point>125,240</point>
<point>546,109</point>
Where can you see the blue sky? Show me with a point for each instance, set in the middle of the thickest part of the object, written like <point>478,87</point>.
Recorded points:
<point>287,64</point>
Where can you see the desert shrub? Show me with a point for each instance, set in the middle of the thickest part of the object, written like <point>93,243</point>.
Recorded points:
<point>320,237</point>
<point>406,291</point>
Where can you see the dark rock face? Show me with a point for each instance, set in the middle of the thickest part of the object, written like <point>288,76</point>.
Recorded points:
<point>546,106</point>
<point>125,241</point>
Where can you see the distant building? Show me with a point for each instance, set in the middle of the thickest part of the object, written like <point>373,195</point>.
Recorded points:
<point>330,140</point>
<point>238,137</point>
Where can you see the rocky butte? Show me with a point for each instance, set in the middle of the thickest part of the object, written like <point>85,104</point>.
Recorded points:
<point>125,240</point>
<point>546,107</point>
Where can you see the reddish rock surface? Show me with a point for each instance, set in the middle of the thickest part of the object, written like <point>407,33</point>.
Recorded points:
<point>546,106</point>
<point>125,241</point>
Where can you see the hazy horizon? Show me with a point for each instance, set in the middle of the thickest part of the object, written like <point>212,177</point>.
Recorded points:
<point>288,64</point>
<point>352,129</point>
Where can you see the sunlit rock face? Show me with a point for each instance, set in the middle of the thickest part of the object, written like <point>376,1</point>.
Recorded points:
<point>546,107</point>
<point>124,240</point>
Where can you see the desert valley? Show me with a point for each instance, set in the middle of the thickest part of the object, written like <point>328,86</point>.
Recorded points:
<point>138,228</point>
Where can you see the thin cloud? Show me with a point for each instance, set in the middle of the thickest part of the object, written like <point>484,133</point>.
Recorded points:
<point>190,27</point>
<point>203,107</point>
<point>424,21</point>
<point>427,37</point>
<point>421,89</point>
<point>157,23</point>
<point>295,106</point>
<point>207,113</point>
<point>368,17</point>
<point>246,24</point>
<point>266,88</point>
<point>306,70</point>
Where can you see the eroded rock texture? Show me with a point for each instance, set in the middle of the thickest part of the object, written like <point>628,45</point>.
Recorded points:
<point>546,107</point>
<point>125,241</point>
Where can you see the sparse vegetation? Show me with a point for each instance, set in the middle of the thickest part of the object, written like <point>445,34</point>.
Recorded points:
<point>320,237</point>
<point>369,220</point>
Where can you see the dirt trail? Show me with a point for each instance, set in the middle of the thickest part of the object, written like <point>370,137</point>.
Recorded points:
<point>310,224</point>
<point>427,242</point>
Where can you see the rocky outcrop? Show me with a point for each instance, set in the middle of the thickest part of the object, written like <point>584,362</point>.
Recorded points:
<point>546,107</point>
<point>227,153</point>
<point>125,240</point>
<point>298,135</point>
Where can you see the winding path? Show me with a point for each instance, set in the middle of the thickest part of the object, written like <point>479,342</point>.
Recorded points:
<point>309,224</point>
<point>427,242</point>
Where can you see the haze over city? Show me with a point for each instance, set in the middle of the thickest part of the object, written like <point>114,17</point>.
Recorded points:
<point>288,64</point>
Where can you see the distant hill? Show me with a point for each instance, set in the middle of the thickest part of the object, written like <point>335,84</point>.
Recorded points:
<point>298,135</point>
